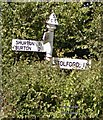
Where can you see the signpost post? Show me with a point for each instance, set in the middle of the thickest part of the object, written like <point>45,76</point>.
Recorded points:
<point>47,46</point>
<point>39,46</point>
<point>49,35</point>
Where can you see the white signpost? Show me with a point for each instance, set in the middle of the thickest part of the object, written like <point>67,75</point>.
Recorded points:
<point>47,46</point>
<point>27,45</point>
<point>49,35</point>
<point>67,63</point>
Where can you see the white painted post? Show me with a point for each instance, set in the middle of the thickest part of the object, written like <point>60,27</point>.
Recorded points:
<point>49,35</point>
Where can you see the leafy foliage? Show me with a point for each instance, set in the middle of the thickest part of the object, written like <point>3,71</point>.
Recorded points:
<point>79,29</point>
<point>40,90</point>
<point>33,88</point>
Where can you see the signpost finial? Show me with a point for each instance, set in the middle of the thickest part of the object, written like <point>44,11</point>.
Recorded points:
<point>52,19</point>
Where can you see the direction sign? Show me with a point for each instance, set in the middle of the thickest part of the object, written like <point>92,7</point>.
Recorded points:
<point>67,63</point>
<point>27,45</point>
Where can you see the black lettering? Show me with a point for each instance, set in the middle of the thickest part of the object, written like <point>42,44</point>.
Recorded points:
<point>60,63</point>
<point>77,64</point>
<point>70,64</point>
<point>24,47</point>
<point>84,65</point>
<point>67,63</point>
<point>74,64</point>
<point>64,63</point>
<point>55,20</point>
<point>18,42</point>
<point>24,42</point>
<point>54,16</point>
<point>87,64</point>
<point>21,47</point>
<point>17,48</point>
<point>33,43</point>
<point>51,20</point>
<point>28,42</point>
<point>28,48</point>
<point>39,46</point>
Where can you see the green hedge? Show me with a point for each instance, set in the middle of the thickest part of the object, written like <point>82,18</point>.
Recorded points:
<point>33,88</point>
<point>79,28</point>
<point>40,90</point>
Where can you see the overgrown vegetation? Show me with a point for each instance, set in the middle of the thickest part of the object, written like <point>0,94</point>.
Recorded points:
<point>33,88</point>
<point>40,90</point>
